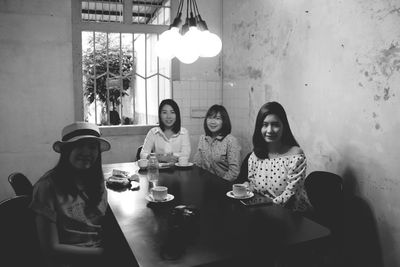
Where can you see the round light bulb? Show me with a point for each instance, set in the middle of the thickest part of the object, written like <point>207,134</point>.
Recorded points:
<point>185,54</point>
<point>165,46</point>
<point>211,44</point>
<point>188,48</point>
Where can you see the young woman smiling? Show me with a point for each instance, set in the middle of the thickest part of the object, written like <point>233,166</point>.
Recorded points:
<point>70,200</point>
<point>169,140</point>
<point>218,151</point>
<point>277,166</point>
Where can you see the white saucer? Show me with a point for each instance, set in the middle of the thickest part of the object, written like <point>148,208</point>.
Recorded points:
<point>168,198</point>
<point>231,195</point>
<point>190,164</point>
<point>165,165</point>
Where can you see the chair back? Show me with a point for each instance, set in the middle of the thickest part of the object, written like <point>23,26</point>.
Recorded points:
<point>20,183</point>
<point>19,240</point>
<point>138,152</point>
<point>325,191</point>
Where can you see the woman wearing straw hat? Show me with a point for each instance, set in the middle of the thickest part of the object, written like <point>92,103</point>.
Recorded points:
<point>70,200</point>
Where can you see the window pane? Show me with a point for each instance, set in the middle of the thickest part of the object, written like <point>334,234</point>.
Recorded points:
<point>140,100</point>
<point>121,78</point>
<point>164,85</point>
<point>152,100</point>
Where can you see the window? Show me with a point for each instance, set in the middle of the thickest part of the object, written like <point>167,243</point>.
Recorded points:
<point>122,81</point>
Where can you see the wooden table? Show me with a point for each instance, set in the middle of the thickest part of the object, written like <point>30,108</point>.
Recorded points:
<point>225,229</point>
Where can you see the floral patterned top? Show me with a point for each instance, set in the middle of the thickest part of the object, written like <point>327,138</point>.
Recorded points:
<point>220,156</point>
<point>280,178</point>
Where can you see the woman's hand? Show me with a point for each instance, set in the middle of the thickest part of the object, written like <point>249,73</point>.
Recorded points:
<point>169,157</point>
<point>249,186</point>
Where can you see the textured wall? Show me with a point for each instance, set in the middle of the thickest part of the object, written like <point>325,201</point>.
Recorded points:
<point>335,66</point>
<point>36,85</point>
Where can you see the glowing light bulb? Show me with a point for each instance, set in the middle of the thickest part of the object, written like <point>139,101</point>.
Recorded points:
<point>211,44</point>
<point>188,49</point>
<point>185,53</point>
<point>165,46</point>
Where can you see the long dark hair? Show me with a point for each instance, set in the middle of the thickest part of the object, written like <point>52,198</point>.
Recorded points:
<point>226,122</point>
<point>63,175</point>
<point>260,147</point>
<point>177,125</point>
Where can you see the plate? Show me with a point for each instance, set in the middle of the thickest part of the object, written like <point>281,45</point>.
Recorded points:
<point>190,164</point>
<point>165,165</point>
<point>168,198</point>
<point>161,166</point>
<point>231,195</point>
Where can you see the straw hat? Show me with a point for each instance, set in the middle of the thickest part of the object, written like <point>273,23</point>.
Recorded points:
<point>80,130</point>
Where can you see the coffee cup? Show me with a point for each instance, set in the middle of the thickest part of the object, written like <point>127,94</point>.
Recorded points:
<point>239,190</point>
<point>159,193</point>
<point>183,161</point>
<point>143,163</point>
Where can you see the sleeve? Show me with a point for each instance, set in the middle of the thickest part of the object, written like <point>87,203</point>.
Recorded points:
<point>197,159</point>
<point>233,156</point>
<point>185,145</point>
<point>244,170</point>
<point>43,199</point>
<point>148,144</point>
<point>296,173</point>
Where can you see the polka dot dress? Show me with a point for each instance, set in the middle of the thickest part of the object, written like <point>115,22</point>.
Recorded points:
<point>281,178</point>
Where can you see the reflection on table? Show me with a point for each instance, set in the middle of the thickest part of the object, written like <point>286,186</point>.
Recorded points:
<point>224,230</point>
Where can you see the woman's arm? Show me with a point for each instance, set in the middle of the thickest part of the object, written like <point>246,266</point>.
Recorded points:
<point>148,144</point>
<point>197,159</point>
<point>50,244</point>
<point>244,170</point>
<point>185,145</point>
<point>296,173</point>
<point>233,157</point>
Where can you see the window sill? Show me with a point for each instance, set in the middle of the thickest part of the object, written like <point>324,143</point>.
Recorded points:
<point>118,130</point>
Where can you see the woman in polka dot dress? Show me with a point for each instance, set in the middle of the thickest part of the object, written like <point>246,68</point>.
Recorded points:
<point>277,166</point>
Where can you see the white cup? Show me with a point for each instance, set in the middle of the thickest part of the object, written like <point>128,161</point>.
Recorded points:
<point>239,190</point>
<point>143,163</point>
<point>183,161</point>
<point>159,193</point>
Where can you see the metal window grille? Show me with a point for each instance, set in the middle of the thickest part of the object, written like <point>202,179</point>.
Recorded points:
<point>123,79</point>
<point>154,12</point>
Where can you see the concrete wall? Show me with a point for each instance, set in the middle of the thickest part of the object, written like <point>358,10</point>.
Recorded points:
<point>36,85</point>
<point>335,66</point>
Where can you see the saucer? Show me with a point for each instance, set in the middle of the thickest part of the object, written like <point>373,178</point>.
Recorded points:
<point>231,195</point>
<point>168,198</point>
<point>190,164</point>
<point>165,165</point>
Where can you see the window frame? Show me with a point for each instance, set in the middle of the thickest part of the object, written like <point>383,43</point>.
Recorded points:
<point>126,27</point>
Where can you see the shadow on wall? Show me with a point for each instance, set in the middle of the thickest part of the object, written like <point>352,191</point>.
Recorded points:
<point>361,240</point>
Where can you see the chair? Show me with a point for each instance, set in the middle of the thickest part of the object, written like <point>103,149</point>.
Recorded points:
<point>20,183</point>
<point>138,152</point>
<point>19,240</point>
<point>325,191</point>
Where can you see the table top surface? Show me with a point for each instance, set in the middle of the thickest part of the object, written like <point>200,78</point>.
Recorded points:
<point>222,229</point>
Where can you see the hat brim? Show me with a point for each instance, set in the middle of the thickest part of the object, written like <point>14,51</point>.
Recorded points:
<point>104,144</point>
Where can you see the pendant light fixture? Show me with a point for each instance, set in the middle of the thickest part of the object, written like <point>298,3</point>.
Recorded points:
<point>189,41</point>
